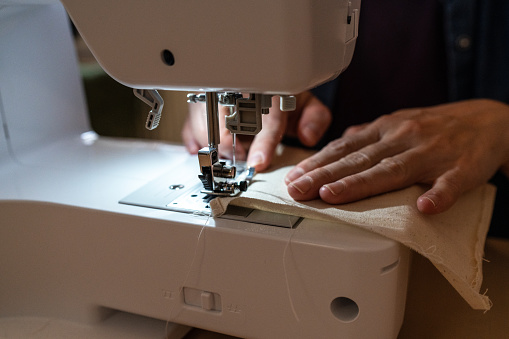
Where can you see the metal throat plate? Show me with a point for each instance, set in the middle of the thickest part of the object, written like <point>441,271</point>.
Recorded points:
<point>180,191</point>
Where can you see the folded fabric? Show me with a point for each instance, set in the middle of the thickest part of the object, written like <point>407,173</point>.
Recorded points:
<point>453,241</point>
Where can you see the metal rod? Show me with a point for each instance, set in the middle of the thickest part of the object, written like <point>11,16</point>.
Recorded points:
<point>234,147</point>
<point>212,103</point>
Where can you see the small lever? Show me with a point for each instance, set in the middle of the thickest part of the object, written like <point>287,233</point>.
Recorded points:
<point>152,98</point>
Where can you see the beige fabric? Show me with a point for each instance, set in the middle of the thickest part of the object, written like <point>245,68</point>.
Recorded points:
<point>453,241</point>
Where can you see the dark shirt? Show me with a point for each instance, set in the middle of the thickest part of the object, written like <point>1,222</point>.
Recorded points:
<point>414,53</point>
<point>399,62</point>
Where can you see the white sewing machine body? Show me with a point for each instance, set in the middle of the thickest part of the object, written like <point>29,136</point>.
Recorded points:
<point>224,48</point>
<point>277,47</point>
<point>70,251</point>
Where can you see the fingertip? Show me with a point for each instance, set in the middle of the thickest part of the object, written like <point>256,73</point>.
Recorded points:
<point>430,203</point>
<point>327,194</point>
<point>193,149</point>
<point>444,193</point>
<point>426,205</point>
<point>293,191</point>
<point>331,193</point>
<point>336,193</point>
<point>294,174</point>
<point>303,189</point>
<point>191,146</point>
<point>296,192</point>
<point>258,160</point>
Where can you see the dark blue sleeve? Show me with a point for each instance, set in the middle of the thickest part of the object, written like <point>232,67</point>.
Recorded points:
<point>326,93</point>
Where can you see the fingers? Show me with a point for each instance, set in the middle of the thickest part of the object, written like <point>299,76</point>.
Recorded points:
<point>367,161</point>
<point>265,142</point>
<point>309,123</point>
<point>334,151</point>
<point>354,129</point>
<point>371,170</point>
<point>314,121</point>
<point>390,174</point>
<point>443,194</point>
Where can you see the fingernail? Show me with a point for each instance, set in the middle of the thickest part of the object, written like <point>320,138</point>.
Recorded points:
<point>335,188</point>
<point>430,200</point>
<point>293,174</point>
<point>256,159</point>
<point>311,132</point>
<point>303,184</point>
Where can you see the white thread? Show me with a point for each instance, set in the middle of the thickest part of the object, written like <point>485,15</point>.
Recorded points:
<point>286,277</point>
<point>194,258</point>
<point>186,276</point>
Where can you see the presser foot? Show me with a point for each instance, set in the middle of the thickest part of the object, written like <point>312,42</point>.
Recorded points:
<point>227,188</point>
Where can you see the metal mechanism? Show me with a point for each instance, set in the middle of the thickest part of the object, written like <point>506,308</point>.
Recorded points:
<point>153,99</point>
<point>210,166</point>
<point>218,177</point>
<point>247,117</point>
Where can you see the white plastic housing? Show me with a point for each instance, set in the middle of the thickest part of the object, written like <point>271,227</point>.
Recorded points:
<point>269,46</point>
<point>70,251</point>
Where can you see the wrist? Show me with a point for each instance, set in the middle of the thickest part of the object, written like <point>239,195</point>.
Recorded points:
<point>505,169</point>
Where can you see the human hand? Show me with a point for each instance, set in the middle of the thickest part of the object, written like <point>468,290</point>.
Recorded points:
<point>453,147</point>
<point>308,123</point>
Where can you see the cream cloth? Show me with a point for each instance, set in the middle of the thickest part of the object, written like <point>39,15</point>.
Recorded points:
<point>453,241</point>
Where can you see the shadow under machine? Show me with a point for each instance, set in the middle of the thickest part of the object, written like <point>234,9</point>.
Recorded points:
<point>115,235</point>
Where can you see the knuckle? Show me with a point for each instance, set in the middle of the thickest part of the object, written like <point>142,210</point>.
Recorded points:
<point>386,118</point>
<point>340,146</point>
<point>454,187</point>
<point>395,167</point>
<point>410,127</point>
<point>359,185</point>
<point>312,163</point>
<point>358,181</point>
<point>353,129</point>
<point>324,174</point>
<point>357,160</point>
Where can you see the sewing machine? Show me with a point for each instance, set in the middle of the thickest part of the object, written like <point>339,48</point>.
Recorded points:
<point>106,237</point>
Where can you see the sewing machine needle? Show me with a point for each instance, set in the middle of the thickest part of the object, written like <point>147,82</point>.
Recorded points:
<point>234,144</point>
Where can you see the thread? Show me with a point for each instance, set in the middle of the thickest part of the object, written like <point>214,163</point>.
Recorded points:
<point>184,282</point>
<point>181,288</point>
<point>289,293</point>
